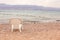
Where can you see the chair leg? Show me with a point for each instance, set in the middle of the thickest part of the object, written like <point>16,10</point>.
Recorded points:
<point>20,27</point>
<point>12,28</point>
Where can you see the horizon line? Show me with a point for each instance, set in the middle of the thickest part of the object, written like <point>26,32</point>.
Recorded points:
<point>26,5</point>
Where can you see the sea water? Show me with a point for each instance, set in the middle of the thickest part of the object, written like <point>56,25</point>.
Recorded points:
<point>29,15</point>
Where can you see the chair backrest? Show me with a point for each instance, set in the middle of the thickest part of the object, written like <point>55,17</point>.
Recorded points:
<point>15,21</point>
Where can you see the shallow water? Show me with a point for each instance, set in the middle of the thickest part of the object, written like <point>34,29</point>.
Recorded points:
<point>32,15</point>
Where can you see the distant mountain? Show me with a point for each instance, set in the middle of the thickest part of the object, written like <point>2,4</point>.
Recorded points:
<point>26,7</point>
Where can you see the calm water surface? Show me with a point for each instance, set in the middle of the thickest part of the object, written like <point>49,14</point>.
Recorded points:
<point>32,15</point>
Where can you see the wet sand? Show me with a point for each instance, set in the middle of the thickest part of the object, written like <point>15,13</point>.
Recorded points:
<point>32,31</point>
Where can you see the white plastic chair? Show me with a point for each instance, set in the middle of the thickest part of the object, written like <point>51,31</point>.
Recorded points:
<point>16,24</point>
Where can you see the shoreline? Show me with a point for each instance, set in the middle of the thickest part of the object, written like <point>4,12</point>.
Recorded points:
<point>30,21</point>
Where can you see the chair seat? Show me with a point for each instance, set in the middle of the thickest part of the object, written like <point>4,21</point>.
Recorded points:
<point>17,26</point>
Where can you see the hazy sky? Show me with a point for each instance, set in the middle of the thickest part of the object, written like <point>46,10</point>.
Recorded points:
<point>47,3</point>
